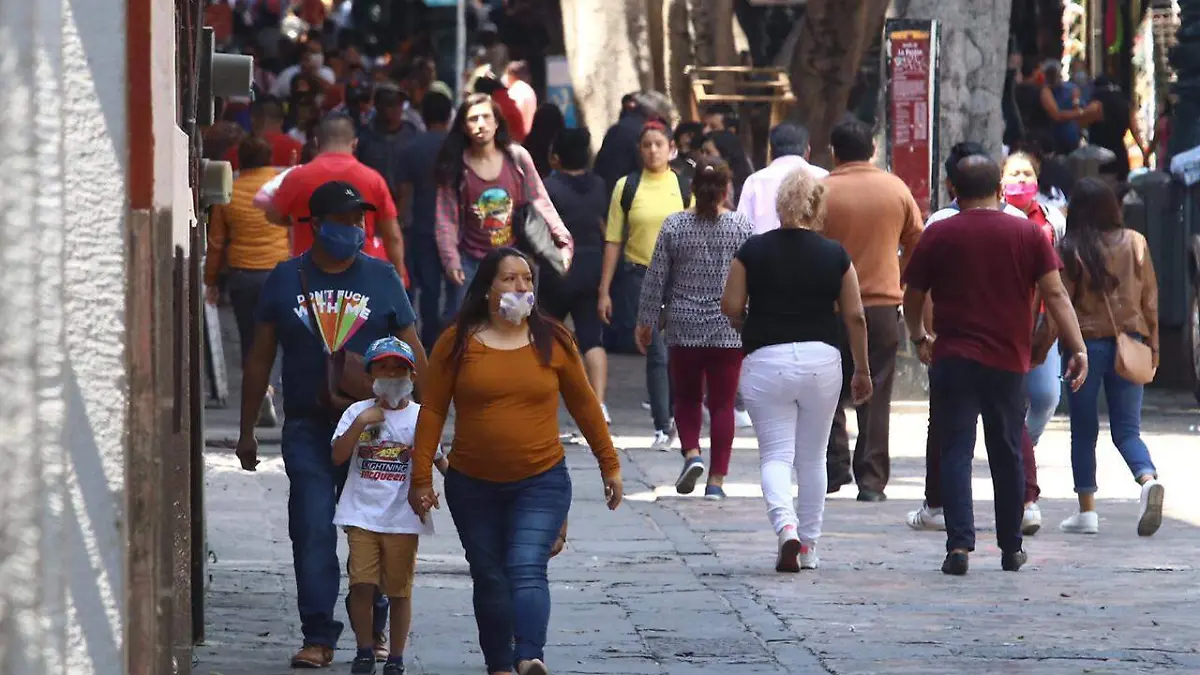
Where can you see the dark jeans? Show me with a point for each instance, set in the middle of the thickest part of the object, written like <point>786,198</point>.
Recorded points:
<point>314,487</point>
<point>872,462</point>
<point>457,294</point>
<point>658,380</point>
<point>431,286</point>
<point>507,530</point>
<point>960,391</point>
<point>244,287</point>
<point>933,468</point>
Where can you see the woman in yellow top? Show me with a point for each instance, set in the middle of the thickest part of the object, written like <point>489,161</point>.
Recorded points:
<point>241,239</point>
<point>630,241</point>
<point>504,365</point>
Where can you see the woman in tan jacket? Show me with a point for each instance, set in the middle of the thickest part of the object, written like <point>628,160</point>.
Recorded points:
<point>1109,274</point>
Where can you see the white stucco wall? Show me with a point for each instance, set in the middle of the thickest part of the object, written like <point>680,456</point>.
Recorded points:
<point>63,388</point>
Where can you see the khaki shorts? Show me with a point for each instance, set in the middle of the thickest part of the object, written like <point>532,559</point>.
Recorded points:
<point>384,560</point>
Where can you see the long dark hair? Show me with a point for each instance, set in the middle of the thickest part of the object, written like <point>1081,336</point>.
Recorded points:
<point>449,168</point>
<point>734,154</point>
<point>543,330</point>
<point>710,185</point>
<point>1092,211</point>
<point>548,122</point>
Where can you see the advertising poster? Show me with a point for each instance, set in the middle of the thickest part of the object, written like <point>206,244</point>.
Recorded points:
<point>911,53</point>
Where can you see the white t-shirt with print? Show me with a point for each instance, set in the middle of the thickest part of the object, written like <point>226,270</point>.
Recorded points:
<point>375,497</point>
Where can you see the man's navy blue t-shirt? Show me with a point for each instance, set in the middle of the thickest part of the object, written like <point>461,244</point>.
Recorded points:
<point>417,160</point>
<point>355,307</point>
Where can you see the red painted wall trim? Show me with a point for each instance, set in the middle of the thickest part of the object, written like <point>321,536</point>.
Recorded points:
<point>139,109</point>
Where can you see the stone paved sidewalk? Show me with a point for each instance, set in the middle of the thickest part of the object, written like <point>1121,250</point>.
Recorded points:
<point>678,585</point>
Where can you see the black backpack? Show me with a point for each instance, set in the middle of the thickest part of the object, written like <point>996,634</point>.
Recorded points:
<point>630,191</point>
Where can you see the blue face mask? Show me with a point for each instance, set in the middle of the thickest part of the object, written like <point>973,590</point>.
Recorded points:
<point>340,241</point>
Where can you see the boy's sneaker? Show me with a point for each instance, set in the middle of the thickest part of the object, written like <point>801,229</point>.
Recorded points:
<point>662,442</point>
<point>1087,522</point>
<point>693,469</point>
<point>788,559</point>
<point>1031,522</point>
<point>808,557</point>
<point>393,668</point>
<point>926,518</point>
<point>1150,517</point>
<point>363,665</point>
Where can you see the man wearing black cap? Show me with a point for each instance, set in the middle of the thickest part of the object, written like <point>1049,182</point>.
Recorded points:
<point>331,299</point>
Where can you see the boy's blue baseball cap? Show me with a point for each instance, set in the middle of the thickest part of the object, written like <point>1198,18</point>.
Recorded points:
<point>390,346</point>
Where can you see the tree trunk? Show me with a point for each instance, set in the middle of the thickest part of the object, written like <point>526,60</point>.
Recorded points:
<point>834,35</point>
<point>679,53</point>
<point>974,56</point>
<point>609,56</point>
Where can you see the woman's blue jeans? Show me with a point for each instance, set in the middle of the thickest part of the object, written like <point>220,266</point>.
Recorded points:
<point>1124,417</point>
<point>507,530</point>
<point>1043,387</point>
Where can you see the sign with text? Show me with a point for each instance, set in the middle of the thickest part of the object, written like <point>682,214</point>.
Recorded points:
<point>911,54</point>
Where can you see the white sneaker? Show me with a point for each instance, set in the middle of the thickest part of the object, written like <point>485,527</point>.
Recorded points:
<point>1150,517</point>
<point>808,557</point>
<point>1031,522</point>
<point>926,518</point>
<point>607,417</point>
<point>788,559</point>
<point>1087,522</point>
<point>741,419</point>
<point>662,442</point>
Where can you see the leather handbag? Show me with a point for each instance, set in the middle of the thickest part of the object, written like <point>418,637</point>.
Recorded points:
<point>346,379</point>
<point>1134,359</point>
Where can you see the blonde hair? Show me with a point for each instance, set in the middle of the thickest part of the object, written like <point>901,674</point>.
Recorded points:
<point>800,201</point>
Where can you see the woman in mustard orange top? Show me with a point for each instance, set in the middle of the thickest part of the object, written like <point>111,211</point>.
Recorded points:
<point>504,365</point>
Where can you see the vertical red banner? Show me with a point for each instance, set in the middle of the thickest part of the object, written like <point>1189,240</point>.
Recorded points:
<point>911,68</point>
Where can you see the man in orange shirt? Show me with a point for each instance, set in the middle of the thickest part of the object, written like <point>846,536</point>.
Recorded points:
<point>873,215</point>
<point>336,141</point>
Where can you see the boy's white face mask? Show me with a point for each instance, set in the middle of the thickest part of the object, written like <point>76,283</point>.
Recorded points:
<point>393,390</point>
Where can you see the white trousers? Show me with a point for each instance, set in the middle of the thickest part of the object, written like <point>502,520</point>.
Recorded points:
<point>791,392</point>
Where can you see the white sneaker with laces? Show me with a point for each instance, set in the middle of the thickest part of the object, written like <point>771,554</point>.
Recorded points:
<point>926,518</point>
<point>788,559</point>
<point>662,442</point>
<point>1087,522</point>
<point>1150,516</point>
<point>741,419</point>
<point>1031,522</point>
<point>808,557</point>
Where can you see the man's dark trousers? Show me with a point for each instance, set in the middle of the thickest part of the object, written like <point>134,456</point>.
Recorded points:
<point>960,390</point>
<point>872,461</point>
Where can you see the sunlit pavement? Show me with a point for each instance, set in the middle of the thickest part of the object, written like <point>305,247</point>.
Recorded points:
<point>671,584</point>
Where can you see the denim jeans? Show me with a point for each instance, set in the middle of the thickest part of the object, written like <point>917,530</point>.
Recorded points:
<point>430,282</point>
<point>658,379</point>
<point>1124,417</point>
<point>314,487</point>
<point>244,287</point>
<point>960,390</point>
<point>1043,386</point>
<point>457,294</point>
<point>507,530</point>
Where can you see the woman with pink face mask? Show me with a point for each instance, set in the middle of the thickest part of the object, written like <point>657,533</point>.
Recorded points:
<point>1043,385</point>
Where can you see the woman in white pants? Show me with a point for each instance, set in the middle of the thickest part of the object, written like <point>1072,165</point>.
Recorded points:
<point>783,289</point>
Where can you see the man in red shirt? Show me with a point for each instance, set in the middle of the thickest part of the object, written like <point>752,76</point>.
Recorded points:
<point>980,269</point>
<point>336,140</point>
<point>266,120</point>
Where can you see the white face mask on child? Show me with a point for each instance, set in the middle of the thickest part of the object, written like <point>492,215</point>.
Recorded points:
<point>394,390</point>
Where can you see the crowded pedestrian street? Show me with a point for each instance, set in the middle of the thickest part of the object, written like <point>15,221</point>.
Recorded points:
<point>676,585</point>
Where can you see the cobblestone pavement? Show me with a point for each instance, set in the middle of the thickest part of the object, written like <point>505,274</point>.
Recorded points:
<point>678,585</point>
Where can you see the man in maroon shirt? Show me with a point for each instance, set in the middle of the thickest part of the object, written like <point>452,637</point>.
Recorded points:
<point>980,269</point>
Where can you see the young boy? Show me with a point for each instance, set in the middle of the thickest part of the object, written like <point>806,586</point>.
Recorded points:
<point>376,435</point>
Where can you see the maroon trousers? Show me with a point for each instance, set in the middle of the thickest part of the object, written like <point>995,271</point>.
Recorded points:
<point>693,371</point>
<point>933,469</point>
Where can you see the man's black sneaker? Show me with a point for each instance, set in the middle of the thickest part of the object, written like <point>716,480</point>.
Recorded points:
<point>393,668</point>
<point>1011,562</point>
<point>363,665</point>
<point>955,563</point>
